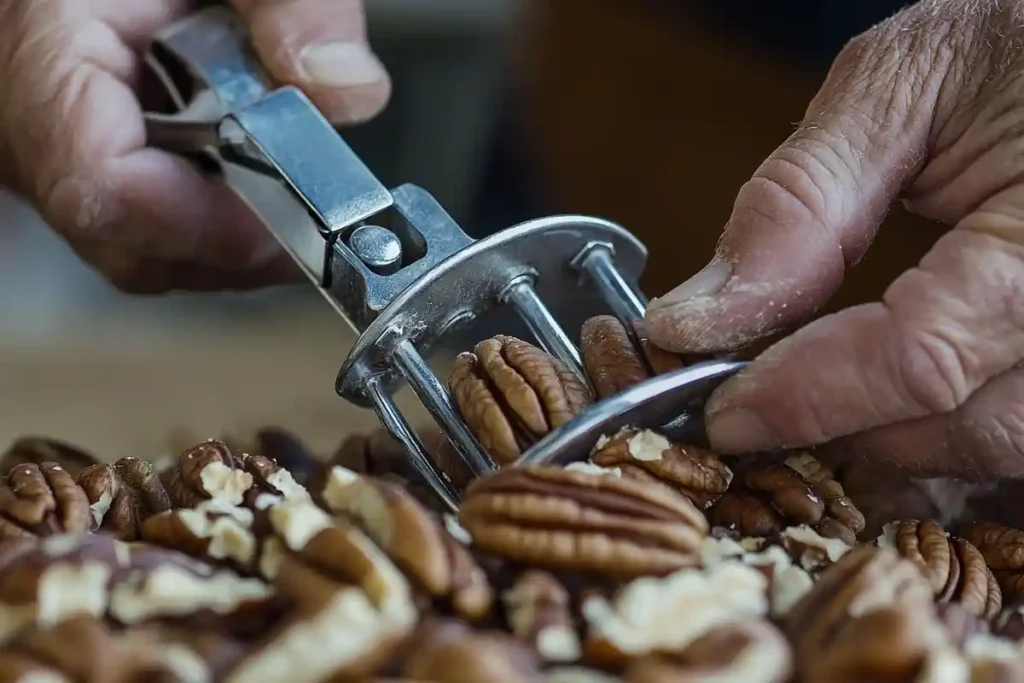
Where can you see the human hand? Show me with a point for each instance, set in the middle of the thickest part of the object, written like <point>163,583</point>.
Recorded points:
<point>927,107</point>
<point>72,138</point>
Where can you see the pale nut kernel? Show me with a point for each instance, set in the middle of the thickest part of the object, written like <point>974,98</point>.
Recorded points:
<point>511,393</point>
<point>551,518</point>
<point>539,613</point>
<point>649,457</point>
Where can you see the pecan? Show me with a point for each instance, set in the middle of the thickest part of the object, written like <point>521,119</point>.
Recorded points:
<point>864,580</point>
<point>36,450</point>
<point>840,511</point>
<point>448,652</point>
<point>85,650</point>
<point>650,615</point>
<point>511,393</point>
<point>560,519</point>
<point>417,542</point>
<point>767,497</point>
<point>540,614</point>
<point>751,651</point>
<point>213,530</point>
<point>612,362</point>
<point>366,615</point>
<point>954,568</point>
<point>207,470</point>
<point>1003,550</point>
<point>124,495</point>
<point>41,500</point>
<point>288,451</point>
<point>648,457</point>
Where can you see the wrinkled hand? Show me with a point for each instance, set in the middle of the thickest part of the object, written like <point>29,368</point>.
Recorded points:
<point>72,138</point>
<point>927,107</point>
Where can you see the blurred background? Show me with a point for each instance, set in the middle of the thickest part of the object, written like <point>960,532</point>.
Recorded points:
<point>647,112</point>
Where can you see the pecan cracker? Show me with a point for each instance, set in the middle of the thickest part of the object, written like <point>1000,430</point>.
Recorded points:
<point>124,495</point>
<point>511,393</point>
<point>41,500</point>
<point>954,568</point>
<point>560,519</point>
<point>648,457</point>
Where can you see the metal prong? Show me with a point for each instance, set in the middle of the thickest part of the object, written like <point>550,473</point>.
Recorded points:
<point>397,426</point>
<point>437,402</point>
<point>627,304</point>
<point>523,298</point>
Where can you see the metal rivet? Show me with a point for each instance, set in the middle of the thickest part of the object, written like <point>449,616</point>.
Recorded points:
<point>377,247</point>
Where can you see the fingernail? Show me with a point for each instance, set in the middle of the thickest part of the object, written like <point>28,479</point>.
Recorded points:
<point>707,282</point>
<point>739,431</point>
<point>340,65</point>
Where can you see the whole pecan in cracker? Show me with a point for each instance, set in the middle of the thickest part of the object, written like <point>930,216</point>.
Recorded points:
<point>954,568</point>
<point>511,393</point>
<point>539,612</point>
<point>752,651</point>
<point>599,524</point>
<point>648,457</point>
<point>41,500</point>
<point>36,450</point>
<point>416,541</point>
<point>1003,550</point>
<point>124,495</point>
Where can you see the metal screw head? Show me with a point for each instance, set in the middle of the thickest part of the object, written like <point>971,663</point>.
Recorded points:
<point>377,247</point>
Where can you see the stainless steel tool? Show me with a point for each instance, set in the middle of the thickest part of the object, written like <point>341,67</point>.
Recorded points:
<point>392,262</point>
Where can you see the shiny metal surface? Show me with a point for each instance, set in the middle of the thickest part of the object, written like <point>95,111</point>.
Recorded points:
<point>650,404</point>
<point>377,247</point>
<point>393,262</point>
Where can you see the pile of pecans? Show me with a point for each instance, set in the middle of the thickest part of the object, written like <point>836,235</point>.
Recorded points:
<point>653,561</point>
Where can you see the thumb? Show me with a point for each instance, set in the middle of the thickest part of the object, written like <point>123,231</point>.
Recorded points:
<point>321,47</point>
<point>814,206</point>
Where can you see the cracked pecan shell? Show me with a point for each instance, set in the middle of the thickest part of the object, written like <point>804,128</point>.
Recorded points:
<point>42,500</point>
<point>511,394</point>
<point>648,457</point>
<point>570,520</point>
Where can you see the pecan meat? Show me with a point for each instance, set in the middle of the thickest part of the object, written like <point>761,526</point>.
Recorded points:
<point>36,450</point>
<point>648,457</point>
<point>511,393</point>
<point>42,500</point>
<point>600,524</point>
<point>539,612</point>
<point>124,495</point>
<point>1003,550</point>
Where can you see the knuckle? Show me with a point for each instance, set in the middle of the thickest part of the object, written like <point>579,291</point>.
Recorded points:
<point>995,442</point>
<point>935,369</point>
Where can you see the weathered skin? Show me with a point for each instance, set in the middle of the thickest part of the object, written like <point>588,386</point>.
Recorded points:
<point>927,107</point>
<point>72,139</point>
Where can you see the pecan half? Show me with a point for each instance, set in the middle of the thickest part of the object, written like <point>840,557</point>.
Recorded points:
<point>40,500</point>
<point>448,652</point>
<point>648,457</point>
<point>36,450</point>
<point>1003,550</point>
<point>539,613</point>
<point>213,530</point>
<point>124,495</point>
<point>612,362</point>
<point>864,580</point>
<point>599,524</point>
<point>288,451</point>
<point>416,541</point>
<point>751,651</point>
<point>954,568</point>
<point>511,393</point>
<point>668,614</point>
<point>207,470</point>
<point>839,509</point>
